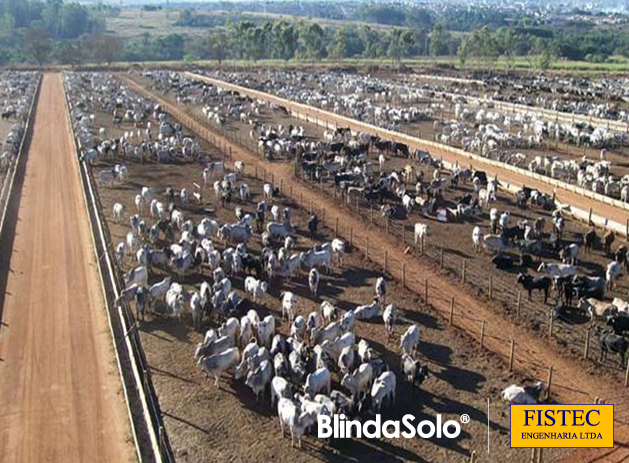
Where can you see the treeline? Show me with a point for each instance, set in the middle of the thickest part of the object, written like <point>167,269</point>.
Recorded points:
<point>33,29</point>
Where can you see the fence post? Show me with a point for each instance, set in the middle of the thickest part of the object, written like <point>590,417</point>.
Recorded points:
<point>482,332</point>
<point>550,381</point>
<point>336,228</point>
<point>451,319</point>
<point>511,352</point>
<point>426,290</point>
<point>404,274</point>
<point>519,306</point>
<point>586,347</point>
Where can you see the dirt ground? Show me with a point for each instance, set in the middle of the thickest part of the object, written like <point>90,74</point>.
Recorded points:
<point>60,393</point>
<point>208,424</point>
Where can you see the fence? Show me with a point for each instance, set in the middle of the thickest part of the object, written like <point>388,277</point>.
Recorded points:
<point>145,412</point>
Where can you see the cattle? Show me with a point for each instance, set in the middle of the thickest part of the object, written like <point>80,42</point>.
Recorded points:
<point>317,382</point>
<point>216,365</point>
<point>297,422</point>
<point>414,372</point>
<point>255,288</point>
<point>410,340</point>
<point>553,270</point>
<point>531,283</point>
<point>618,323</point>
<point>612,272</point>
<point>596,308</point>
<point>519,395</point>
<point>610,342</point>
<point>383,389</point>
<point>358,382</point>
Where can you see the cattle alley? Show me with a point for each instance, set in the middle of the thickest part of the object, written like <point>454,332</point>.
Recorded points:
<point>504,175</point>
<point>60,392</point>
<point>573,385</point>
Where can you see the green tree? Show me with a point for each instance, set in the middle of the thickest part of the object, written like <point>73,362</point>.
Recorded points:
<point>509,43</point>
<point>463,53</point>
<point>218,44</point>
<point>37,44</point>
<point>313,41</point>
<point>437,40</point>
<point>400,44</point>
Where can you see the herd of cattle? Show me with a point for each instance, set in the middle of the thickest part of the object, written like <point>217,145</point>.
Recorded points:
<point>297,358</point>
<point>17,90</point>
<point>472,123</point>
<point>344,157</point>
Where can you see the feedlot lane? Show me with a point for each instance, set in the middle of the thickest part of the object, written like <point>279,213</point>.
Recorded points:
<point>60,392</point>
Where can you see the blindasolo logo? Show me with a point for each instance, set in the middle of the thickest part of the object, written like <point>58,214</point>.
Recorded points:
<point>562,426</point>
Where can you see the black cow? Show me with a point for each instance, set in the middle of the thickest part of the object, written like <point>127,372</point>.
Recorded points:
<point>502,262</point>
<point>619,323</point>
<point>610,342</point>
<point>538,283</point>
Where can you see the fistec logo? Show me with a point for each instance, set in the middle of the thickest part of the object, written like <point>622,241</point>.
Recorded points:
<point>562,426</point>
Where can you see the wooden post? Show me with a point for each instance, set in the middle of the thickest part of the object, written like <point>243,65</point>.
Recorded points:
<point>550,381</point>
<point>550,325</point>
<point>586,346</point>
<point>451,319</point>
<point>464,270</point>
<point>482,332</point>
<point>511,352</point>
<point>491,287</point>
<point>519,306</point>
<point>336,228</point>
<point>404,274</point>
<point>426,291</point>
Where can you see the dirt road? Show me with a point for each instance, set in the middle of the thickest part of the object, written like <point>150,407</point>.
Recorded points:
<point>60,393</point>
